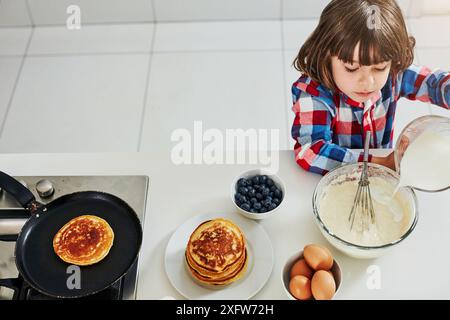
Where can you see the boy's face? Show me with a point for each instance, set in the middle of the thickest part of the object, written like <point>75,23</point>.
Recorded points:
<point>359,82</point>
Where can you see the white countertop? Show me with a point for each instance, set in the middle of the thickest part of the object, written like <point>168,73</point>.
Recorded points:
<point>417,269</point>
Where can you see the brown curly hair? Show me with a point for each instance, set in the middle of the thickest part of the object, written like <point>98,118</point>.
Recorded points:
<point>345,23</point>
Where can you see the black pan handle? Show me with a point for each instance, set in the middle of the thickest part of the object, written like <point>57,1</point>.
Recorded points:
<point>8,238</point>
<point>24,196</point>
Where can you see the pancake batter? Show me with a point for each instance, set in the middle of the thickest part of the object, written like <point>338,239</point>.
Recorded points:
<point>392,217</point>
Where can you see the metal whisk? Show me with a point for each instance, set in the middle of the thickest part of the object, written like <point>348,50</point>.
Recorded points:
<point>362,205</point>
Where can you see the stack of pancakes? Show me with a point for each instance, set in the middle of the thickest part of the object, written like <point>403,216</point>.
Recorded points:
<point>216,254</point>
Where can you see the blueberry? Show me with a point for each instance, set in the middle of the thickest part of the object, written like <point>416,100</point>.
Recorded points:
<point>271,194</point>
<point>251,192</point>
<point>266,203</point>
<point>265,192</point>
<point>269,198</point>
<point>276,201</point>
<point>259,196</point>
<point>257,187</point>
<point>245,206</point>
<point>273,188</point>
<point>272,206</point>
<point>253,200</point>
<point>242,182</point>
<point>257,205</point>
<point>240,198</point>
<point>278,194</point>
<point>263,179</point>
<point>243,190</point>
<point>262,210</point>
<point>253,210</point>
<point>256,180</point>
<point>269,182</point>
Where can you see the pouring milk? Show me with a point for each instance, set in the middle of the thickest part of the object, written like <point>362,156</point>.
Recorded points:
<point>426,162</point>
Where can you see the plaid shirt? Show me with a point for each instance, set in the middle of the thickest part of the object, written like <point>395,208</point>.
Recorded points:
<point>328,124</point>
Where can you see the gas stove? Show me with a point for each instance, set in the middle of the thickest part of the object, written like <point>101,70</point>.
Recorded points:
<point>132,189</point>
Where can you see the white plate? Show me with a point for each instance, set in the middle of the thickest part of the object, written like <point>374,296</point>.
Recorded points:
<point>260,264</point>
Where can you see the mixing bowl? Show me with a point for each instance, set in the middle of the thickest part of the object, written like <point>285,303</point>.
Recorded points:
<point>352,172</point>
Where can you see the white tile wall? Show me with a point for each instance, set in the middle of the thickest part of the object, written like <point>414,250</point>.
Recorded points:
<point>294,9</point>
<point>51,12</point>
<point>439,7</point>
<point>291,73</point>
<point>431,31</point>
<point>9,70</point>
<point>295,33</point>
<point>435,57</point>
<point>226,74</point>
<point>224,90</point>
<point>429,7</point>
<point>92,39</point>
<point>236,35</point>
<point>13,41</point>
<point>77,104</point>
<point>194,10</point>
<point>77,87</point>
<point>405,5</point>
<point>14,13</point>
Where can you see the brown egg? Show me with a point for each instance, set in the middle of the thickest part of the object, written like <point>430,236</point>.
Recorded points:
<point>301,268</point>
<point>323,286</point>
<point>300,287</point>
<point>318,257</point>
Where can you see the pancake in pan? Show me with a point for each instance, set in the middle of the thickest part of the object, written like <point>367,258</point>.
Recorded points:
<point>84,240</point>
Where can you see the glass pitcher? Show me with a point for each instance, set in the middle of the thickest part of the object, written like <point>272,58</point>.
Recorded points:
<point>437,124</point>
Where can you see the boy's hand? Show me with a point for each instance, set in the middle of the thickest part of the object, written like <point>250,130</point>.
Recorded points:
<point>402,146</point>
<point>388,161</point>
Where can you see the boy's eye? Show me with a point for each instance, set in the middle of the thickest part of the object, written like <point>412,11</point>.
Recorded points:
<point>350,70</point>
<point>381,69</point>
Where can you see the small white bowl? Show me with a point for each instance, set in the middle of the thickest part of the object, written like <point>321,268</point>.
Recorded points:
<point>286,274</point>
<point>276,179</point>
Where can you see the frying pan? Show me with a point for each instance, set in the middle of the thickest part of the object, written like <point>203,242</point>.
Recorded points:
<point>36,260</point>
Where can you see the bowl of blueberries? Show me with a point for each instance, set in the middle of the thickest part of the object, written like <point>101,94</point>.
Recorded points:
<point>257,194</point>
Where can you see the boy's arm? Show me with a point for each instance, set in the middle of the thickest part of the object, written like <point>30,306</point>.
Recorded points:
<point>314,150</point>
<point>420,83</point>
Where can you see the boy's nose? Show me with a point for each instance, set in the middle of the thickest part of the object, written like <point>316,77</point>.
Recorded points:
<point>367,81</point>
